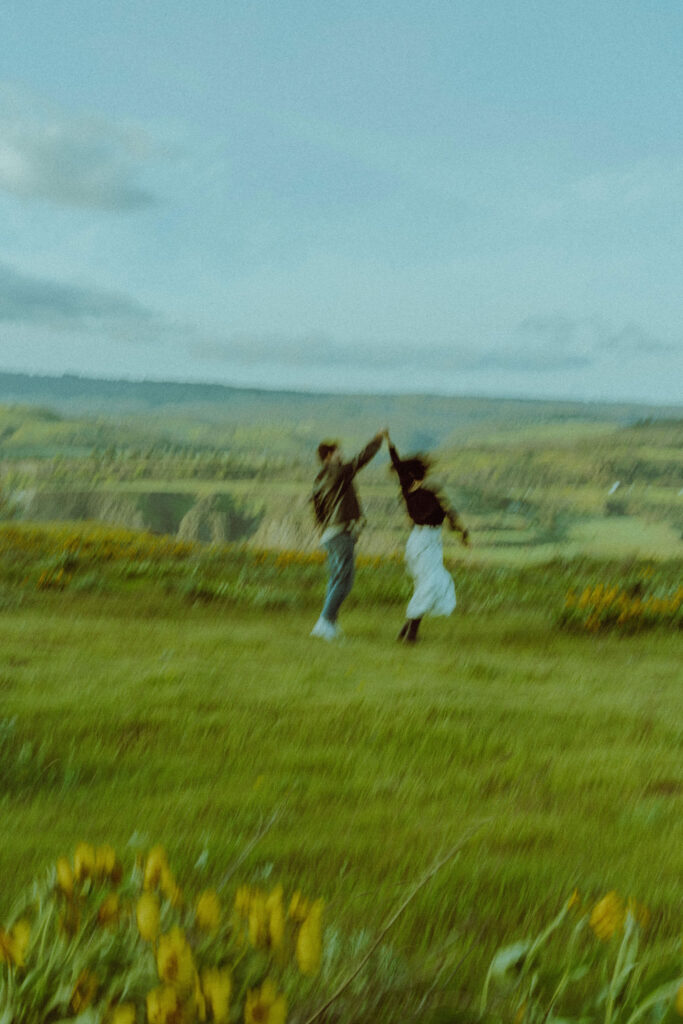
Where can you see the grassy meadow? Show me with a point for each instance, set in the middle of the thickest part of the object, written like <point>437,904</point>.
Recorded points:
<point>159,689</point>
<point>153,692</point>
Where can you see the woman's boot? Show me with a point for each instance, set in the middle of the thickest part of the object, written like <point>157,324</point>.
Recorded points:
<point>411,632</point>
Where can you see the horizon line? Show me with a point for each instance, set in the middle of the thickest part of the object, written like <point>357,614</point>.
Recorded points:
<point>302,391</point>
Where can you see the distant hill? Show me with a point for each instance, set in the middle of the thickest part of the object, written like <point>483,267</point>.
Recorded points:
<point>290,420</point>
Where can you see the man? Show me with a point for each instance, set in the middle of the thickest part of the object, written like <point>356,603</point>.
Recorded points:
<point>339,518</point>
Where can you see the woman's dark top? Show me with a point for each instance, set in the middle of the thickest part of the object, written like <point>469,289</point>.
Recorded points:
<point>424,507</point>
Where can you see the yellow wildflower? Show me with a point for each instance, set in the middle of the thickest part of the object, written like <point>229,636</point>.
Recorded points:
<point>574,900</point>
<point>21,937</point>
<point>199,1000</point>
<point>108,913</point>
<point>155,864</point>
<point>309,941</point>
<point>164,1006</point>
<point>298,907</point>
<point>607,916</point>
<point>65,876</point>
<point>124,1013</point>
<point>106,864</point>
<point>217,988</point>
<point>84,861</point>
<point>84,991</point>
<point>276,917</point>
<point>169,887</point>
<point>174,960</point>
<point>678,1002</point>
<point>264,1005</point>
<point>147,916</point>
<point>14,944</point>
<point>208,911</point>
<point>258,920</point>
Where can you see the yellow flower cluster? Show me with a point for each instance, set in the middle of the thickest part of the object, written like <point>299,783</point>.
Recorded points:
<point>91,545</point>
<point>53,579</point>
<point>97,863</point>
<point>678,1002</point>
<point>262,919</point>
<point>309,940</point>
<point>179,961</point>
<point>602,607</point>
<point>608,915</point>
<point>158,875</point>
<point>284,559</point>
<point>14,943</point>
<point>265,1004</point>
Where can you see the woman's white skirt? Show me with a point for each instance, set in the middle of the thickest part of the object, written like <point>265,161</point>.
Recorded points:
<point>434,592</point>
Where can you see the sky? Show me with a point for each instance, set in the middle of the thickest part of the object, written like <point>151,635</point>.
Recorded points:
<point>453,196</point>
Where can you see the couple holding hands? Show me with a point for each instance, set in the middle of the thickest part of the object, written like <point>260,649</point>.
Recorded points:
<point>339,518</point>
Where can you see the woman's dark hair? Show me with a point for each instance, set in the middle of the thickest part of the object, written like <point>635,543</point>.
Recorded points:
<point>416,466</point>
<point>326,448</point>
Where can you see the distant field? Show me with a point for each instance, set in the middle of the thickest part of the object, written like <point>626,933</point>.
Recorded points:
<point>536,524</point>
<point>533,481</point>
<point>610,538</point>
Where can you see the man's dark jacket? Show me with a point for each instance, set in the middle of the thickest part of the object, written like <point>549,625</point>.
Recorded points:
<point>334,497</point>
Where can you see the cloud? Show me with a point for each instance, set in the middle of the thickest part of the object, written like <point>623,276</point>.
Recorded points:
<point>555,342</point>
<point>71,161</point>
<point>649,188</point>
<point>255,349</point>
<point>28,300</point>
<point>311,351</point>
<point>548,342</point>
<point>541,344</point>
<point>322,352</point>
<point>633,339</point>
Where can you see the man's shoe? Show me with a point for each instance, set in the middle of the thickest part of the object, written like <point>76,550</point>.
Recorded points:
<point>324,629</point>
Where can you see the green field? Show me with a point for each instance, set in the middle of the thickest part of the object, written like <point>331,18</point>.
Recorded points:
<point>138,706</point>
<point>161,687</point>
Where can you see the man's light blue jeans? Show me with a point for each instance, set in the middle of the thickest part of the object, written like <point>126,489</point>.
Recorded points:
<point>340,567</point>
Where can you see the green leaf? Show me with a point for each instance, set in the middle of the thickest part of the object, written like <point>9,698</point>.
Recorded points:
<point>509,956</point>
<point>663,994</point>
<point>504,959</point>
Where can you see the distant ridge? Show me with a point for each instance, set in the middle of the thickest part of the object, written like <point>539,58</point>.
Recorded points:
<point>422,421</point>
<point>69,387</point>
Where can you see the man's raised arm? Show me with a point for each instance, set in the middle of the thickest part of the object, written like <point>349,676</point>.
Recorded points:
<point>367,453</point>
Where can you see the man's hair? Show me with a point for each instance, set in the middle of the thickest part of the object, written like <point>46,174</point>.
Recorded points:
<point>326,448</point>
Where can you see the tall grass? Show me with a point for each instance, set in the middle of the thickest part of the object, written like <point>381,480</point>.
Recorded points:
<point>141,711</point>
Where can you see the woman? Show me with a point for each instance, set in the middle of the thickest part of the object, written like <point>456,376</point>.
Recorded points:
<point>434,590</point>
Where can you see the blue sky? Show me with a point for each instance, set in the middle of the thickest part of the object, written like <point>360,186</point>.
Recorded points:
<point>453,196</point>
